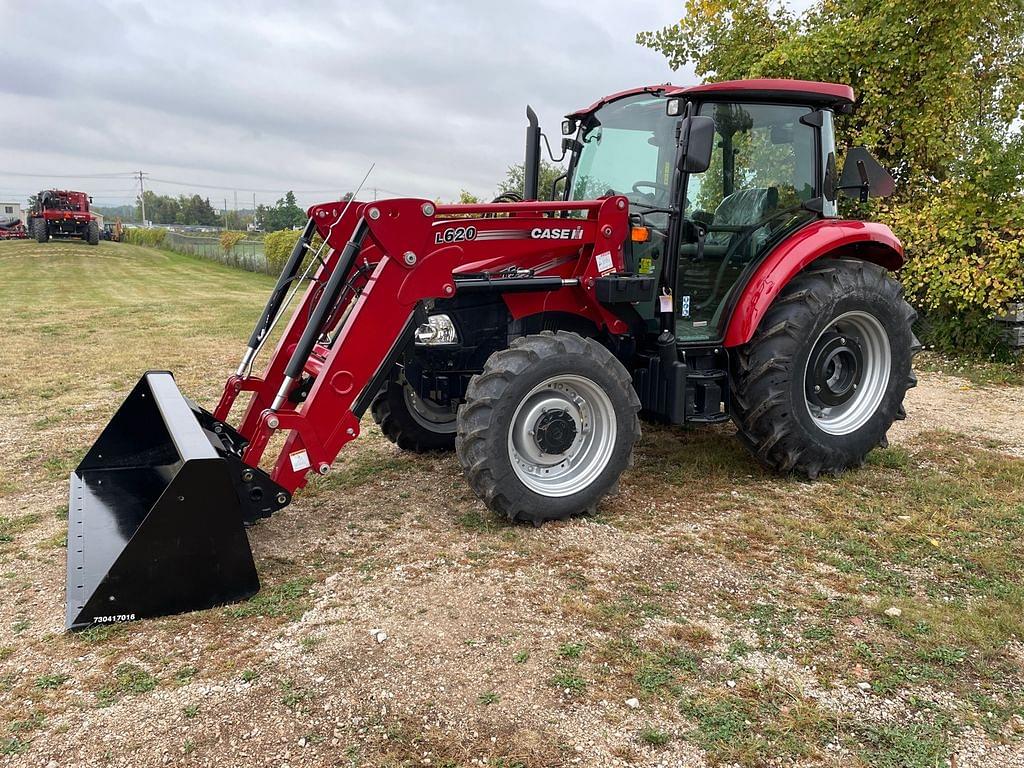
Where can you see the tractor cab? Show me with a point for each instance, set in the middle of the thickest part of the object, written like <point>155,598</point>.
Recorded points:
<point>702,232</point>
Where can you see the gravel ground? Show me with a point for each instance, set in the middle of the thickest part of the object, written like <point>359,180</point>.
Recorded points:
<point>459,670</point>
<point>402,625</point>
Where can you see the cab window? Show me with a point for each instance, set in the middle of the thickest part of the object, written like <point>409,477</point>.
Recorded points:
<point>762,169</point>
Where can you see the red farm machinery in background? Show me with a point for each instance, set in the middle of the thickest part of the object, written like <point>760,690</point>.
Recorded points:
<point>692,270</point>
<point>60,213</point>
<point>11,228</point>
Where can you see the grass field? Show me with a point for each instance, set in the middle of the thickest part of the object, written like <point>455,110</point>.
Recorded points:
<point>709,614</point>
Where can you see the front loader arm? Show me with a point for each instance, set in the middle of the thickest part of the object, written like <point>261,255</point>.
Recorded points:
<point>353,323</point>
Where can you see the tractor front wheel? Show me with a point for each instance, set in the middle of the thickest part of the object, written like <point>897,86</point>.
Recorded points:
<point>824,377</point>
<point>408,421</point>
<point>548,427</point>
<point>92,233</point>
<point>39,230</point>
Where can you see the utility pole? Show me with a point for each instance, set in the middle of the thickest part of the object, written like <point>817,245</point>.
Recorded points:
<point>142,196</point>
<point>236,207</point>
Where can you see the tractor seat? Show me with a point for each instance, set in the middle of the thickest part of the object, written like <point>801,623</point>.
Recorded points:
<point>743,209</point>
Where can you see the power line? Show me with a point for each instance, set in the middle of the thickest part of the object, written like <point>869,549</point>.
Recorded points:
<point>222,187</point>
<point>66,176</point>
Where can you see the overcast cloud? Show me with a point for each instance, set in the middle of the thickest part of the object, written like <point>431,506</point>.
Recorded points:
<point>261,95</point>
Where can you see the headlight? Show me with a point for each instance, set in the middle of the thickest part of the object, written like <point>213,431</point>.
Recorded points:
<point>439,329</point>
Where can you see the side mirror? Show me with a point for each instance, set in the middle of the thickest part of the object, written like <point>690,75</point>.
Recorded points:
<point>696,142</point>
<point>863,176</point>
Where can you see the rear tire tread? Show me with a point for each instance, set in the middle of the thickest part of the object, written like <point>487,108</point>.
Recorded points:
<point>763,405</point>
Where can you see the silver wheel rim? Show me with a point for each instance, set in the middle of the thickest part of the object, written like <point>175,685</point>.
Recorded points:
<point>429,416</point>
<point>568,471</point>
<point>851,361</point>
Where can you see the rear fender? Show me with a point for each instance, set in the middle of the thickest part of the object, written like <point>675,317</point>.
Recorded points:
<point>869,241</point>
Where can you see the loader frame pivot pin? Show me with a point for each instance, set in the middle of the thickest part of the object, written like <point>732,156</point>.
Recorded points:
<point>428,209</point>
<point>373,213</point>
<point>409,257</point>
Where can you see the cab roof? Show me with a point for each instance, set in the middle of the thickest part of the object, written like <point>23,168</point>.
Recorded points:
<point>803,91</point>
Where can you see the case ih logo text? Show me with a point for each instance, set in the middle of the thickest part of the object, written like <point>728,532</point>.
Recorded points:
<point>546,233</point>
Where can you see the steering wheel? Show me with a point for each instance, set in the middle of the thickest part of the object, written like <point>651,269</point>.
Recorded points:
<point>659,189</point>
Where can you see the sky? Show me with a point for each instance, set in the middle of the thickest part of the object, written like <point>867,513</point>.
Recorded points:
<point>271,96</point>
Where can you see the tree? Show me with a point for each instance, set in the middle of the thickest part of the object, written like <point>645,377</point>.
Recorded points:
<point>195,210</point>
<point>940,99</point>
<point>184,209</point>
<point>160,209</point>
<point>934,80</point>
<point>284,214</point>
<point>516,174</point>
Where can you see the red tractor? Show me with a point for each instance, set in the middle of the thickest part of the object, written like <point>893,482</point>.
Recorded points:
<point>63,214</point>
<point>694,270</point>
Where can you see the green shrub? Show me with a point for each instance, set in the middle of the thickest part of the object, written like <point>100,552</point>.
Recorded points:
<point>964,244</point>
<point>277,246</point>
<point>960,257</point>
<point>972,333</point>
<point>229,239</point>
<point>153,236</point>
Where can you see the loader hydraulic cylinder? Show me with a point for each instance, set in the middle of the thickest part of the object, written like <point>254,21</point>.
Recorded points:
<point>284,282</point>
<point>314,328</point>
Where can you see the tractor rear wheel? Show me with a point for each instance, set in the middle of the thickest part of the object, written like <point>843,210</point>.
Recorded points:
<point>39,231</point>
<point>824,377</point>
<point>92,233</point>
<point>548,427</point>
<point>411,423</point>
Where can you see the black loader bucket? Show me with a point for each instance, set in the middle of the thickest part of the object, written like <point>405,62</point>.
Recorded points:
<point>157,512</point>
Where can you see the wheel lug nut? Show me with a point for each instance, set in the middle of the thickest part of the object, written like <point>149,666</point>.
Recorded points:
<point>817,388</point>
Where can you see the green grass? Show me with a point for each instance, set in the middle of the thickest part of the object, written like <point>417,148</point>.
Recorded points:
<point>13,745</point>
<point>291,694</point>
<point>54,680</point>
<point>752,725</point>
<point>663,670</point>
<point>570,650</point>
<point>128,679</point>
<point>981,373</point>
<point>289,600</point>
<point>10,526</point>
<point>654,736</point>
<point>569,680</point>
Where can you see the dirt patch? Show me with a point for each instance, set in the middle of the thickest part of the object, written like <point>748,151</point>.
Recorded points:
<point>955,404</point>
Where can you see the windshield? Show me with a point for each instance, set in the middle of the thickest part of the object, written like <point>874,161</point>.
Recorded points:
<point>628,147</point>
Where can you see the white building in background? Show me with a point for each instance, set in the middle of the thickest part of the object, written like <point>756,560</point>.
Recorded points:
<point>8,208</point>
